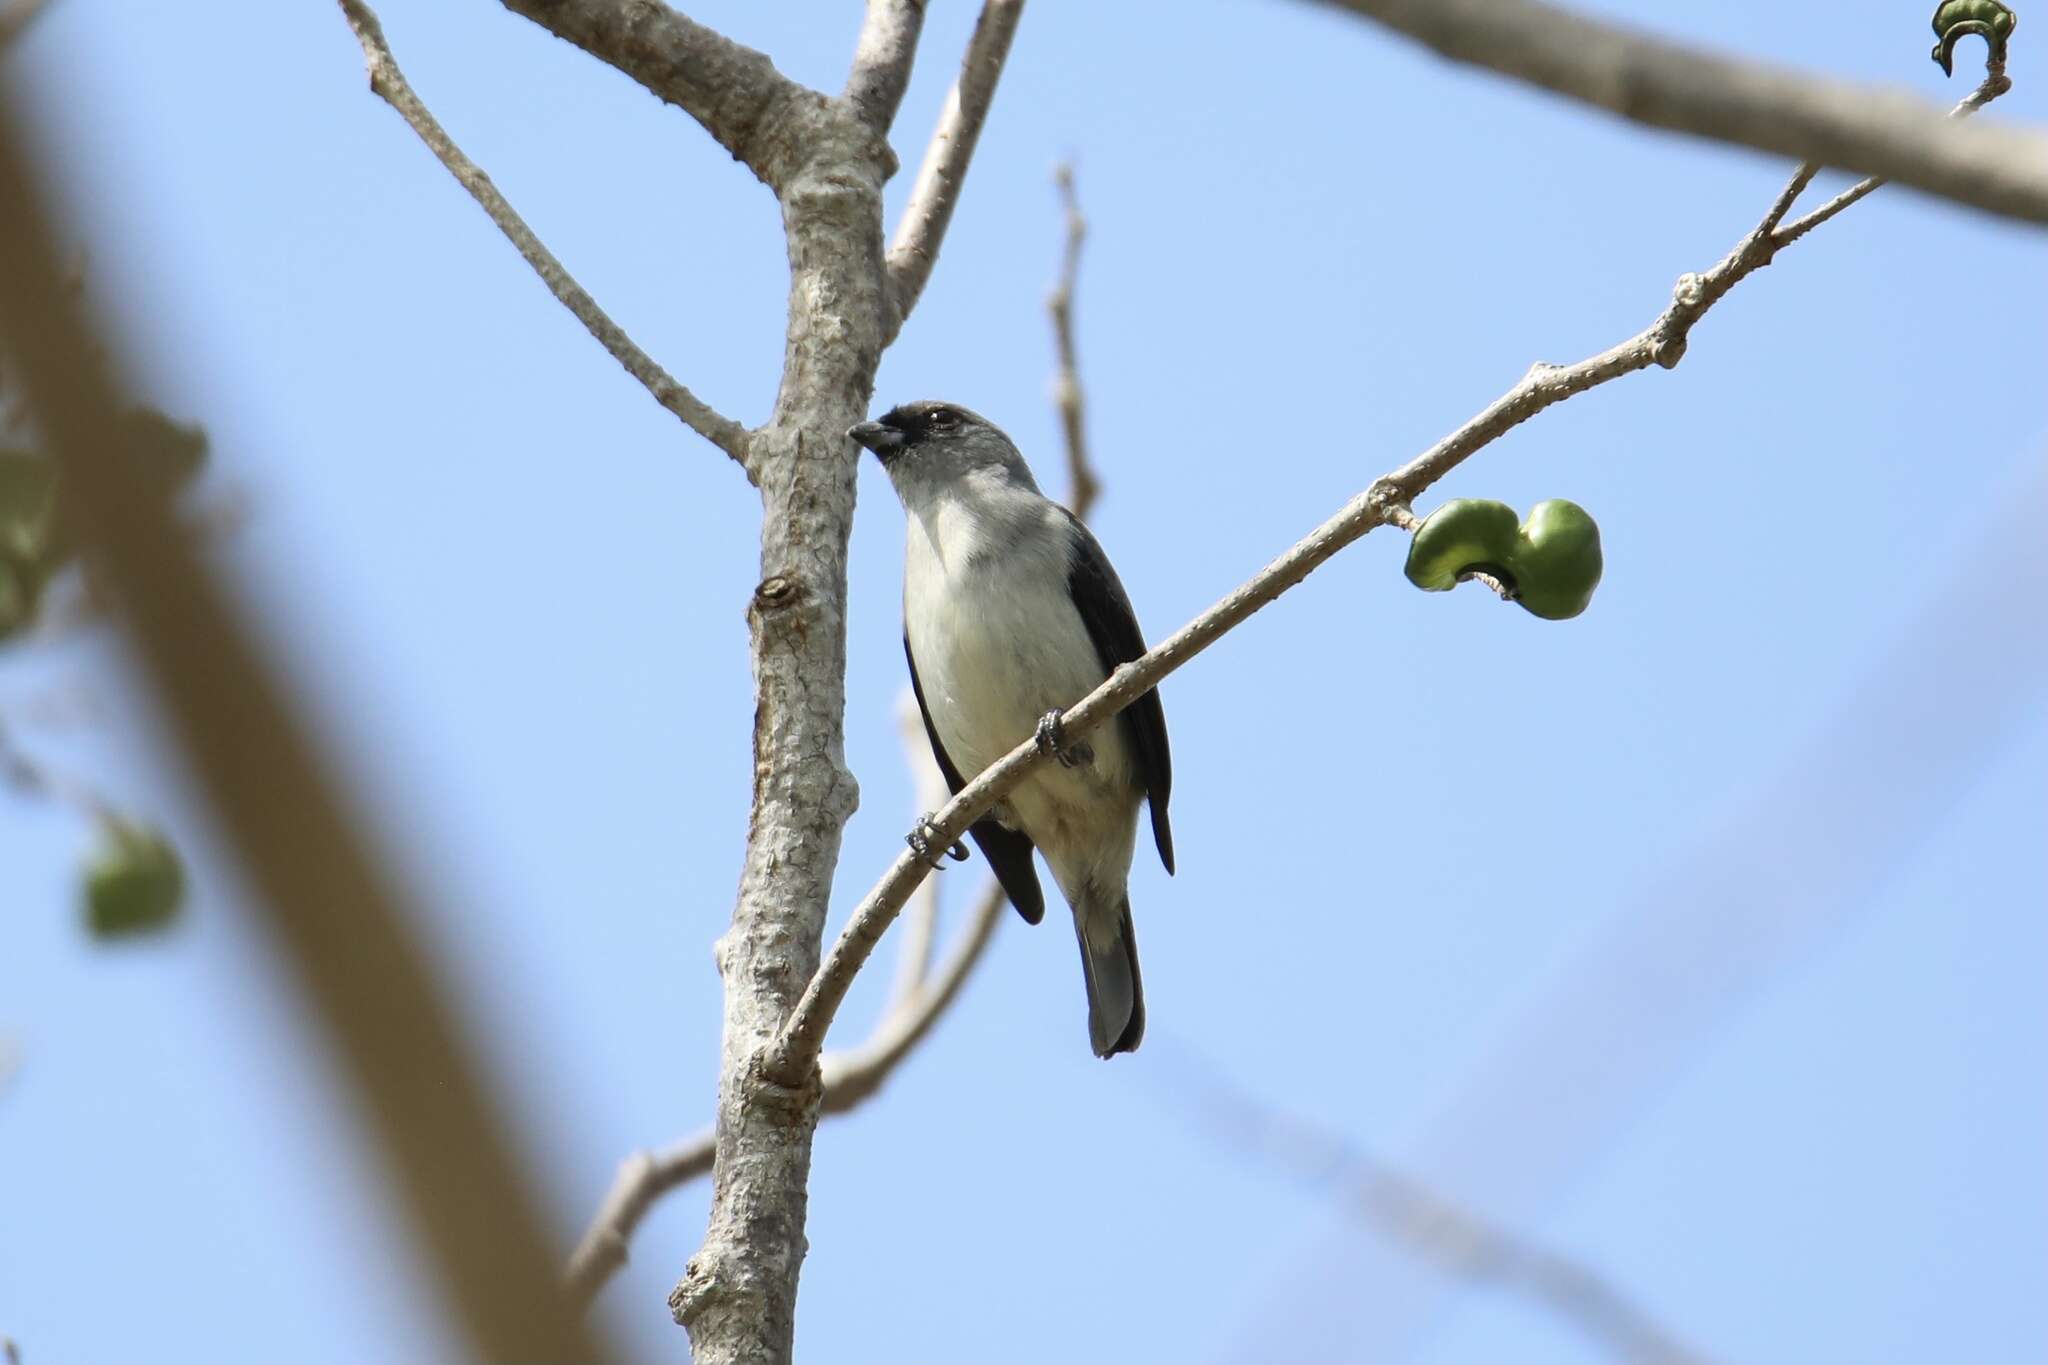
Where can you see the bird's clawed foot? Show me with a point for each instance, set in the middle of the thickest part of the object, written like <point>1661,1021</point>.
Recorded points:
<point>920,841</point>
<point>1052,740</point>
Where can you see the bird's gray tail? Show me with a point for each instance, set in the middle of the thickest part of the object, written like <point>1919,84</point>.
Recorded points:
<point>1109,963</point>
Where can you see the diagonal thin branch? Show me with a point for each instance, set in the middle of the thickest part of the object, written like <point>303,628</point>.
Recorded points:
<point>1662,343</point>
<point>387,81</point>
<point>882,59</point>
<point>1649,80</point>
<point>923,227</point>
<point>1456,1239</point>
<point>30,777</point>
<point>728,87</point>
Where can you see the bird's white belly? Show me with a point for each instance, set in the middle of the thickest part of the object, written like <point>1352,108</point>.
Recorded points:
<point>994,654</point>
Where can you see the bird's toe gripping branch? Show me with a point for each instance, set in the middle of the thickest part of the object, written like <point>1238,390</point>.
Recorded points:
<point>921,841</point>
<point>1955,20</point>
<point>1052,741</point>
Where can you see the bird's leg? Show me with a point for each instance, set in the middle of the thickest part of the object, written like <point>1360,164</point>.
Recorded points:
<point>920,841</point>
<point>1052,739</point>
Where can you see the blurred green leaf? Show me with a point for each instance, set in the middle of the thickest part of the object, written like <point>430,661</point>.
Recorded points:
<point>34,544</point>
<point>28,489</point>
<point>20,590</point>
<point>134,884</point>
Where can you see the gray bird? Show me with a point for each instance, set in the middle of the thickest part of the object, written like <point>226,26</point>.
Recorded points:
<point>1011,613</point>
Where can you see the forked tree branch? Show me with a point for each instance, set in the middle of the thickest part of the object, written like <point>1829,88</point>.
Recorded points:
<point>732,90</point>
<point>1662,343</point>
<point>1995,84</point>
<point>916,999</point>
<point>1649,80</point>
<point>925,218</point>
<point>849,1077</point>
<point>388,82</point>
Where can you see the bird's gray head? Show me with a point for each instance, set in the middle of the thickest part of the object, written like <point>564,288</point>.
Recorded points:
<point>925,447</point>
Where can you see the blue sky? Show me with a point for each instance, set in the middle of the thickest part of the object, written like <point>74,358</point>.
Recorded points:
<point>1699,937</point>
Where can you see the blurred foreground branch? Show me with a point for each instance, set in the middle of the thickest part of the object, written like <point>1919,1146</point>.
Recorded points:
<point>338,920</point>
<point>1871,131</point>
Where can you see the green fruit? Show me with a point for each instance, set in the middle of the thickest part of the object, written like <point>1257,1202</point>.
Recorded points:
<point>134,885</point>
<point>1550,563</point>
<point>1955,20</point>
<point>1558,563</point>
<point>1462,535</point>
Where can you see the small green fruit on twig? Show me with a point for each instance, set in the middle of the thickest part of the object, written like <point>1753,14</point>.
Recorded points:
<point>1955,20</point>
<point>1550,563</point>
<point>134,884</point>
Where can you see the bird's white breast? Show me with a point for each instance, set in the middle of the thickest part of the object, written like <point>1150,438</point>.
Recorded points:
<point>997,638</point>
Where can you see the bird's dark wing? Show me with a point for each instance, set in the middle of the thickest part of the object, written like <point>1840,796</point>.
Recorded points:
<point>1007,851</point>
<point>1106,610</point>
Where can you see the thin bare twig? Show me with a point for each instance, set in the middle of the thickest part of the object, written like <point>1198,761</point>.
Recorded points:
<point>1995,84</point>
<point>1762,242</point>
<point>1456,1239</point>
<point>882,59</point>
<point>387,81</point>
<point>338,919</point>
<point>1068,397</point>
<point>31,777</point>
<point>1662,343</point>
<point>918,236</point>
<point>1870,130</point>
<point>921,912</point>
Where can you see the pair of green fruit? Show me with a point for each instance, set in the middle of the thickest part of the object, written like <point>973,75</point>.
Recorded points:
<point>1549,564</point>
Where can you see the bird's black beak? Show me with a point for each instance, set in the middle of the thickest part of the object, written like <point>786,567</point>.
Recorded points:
<point>885,441</point>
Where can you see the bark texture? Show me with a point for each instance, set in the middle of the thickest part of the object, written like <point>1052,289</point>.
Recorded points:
<point>826,158</point>
<point>738,1295</point>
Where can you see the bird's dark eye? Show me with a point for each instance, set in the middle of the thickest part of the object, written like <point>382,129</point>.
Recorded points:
<point>942,420</point>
